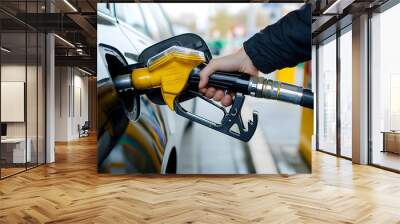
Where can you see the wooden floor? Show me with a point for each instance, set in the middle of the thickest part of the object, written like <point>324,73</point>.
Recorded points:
<point>11,170</point>
<point>8,171</point>
<point>387,159</point>
<point>70,191</point>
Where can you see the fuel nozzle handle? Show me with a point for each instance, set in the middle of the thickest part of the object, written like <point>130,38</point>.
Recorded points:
<point>256,86</point>
<point>231,81</point>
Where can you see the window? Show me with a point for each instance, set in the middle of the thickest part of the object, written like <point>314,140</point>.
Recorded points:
<point>104,8</point>
<point>22,76</point>
<point>346,93</point>
<point>385,89</point>
<point>151,23</point>
<point>14,156</point>
<point>131,14</point>
<point>162,21</point>
<point>156,21</point>
<point>327,96</point>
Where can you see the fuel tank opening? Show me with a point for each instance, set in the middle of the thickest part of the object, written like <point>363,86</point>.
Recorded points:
<point>118,68</point>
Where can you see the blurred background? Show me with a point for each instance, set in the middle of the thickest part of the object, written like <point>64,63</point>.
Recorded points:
<point>276,147</point>
<point>225,26</point>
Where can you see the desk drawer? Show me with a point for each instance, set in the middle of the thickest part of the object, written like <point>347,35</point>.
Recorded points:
<point>15,153</point>
<point>6,154</point>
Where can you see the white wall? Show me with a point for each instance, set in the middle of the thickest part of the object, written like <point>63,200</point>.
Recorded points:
<point>70,83</point>
<point>33,126</point>
<point>17,73</point>
<point>61,105</point>
<point>11,73</point>
<point>80,94</point>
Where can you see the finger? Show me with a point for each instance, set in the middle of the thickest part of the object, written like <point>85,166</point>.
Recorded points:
<point>227,100</point>
<point>219,95</point>
<point>231,93</point>
<point>206,72</point>
<point>210,92</point>
<point>203,90</point>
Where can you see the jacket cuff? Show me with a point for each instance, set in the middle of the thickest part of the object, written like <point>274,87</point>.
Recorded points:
<point>250,47</point>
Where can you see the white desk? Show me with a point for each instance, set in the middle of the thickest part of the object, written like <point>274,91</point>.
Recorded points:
<point>19,155</point>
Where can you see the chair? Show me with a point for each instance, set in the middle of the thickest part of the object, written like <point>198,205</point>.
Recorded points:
<point>84,130</point>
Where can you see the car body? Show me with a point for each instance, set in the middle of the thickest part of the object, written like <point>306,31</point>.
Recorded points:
<point>129,142</point>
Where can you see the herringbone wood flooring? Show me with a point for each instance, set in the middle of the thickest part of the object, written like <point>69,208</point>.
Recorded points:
<point>70,191</point>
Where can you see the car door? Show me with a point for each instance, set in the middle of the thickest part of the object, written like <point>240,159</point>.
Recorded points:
<point>107,26</point>
<point>158,24</point>
<point>159,28</point>
<point>143,30</point>
<point>132,24</point>
<point>125,144</point>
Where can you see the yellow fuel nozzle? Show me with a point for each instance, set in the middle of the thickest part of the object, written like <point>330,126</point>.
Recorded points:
<point>168,70</point>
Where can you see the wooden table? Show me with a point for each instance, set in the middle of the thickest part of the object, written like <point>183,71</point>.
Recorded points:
<point>391,141</point>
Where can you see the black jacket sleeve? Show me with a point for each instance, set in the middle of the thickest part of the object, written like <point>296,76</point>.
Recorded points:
<point>283,44</point>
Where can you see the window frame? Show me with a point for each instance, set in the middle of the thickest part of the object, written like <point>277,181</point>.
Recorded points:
<point>343,31</point>
<point>334,36</point>
<point>378,10</point>
<point>325,41</point>
<point>110,11</point>
<point>31,30</point>
<point>122,20</point>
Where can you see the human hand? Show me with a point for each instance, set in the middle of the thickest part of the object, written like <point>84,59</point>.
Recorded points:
<point>237,62</point>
